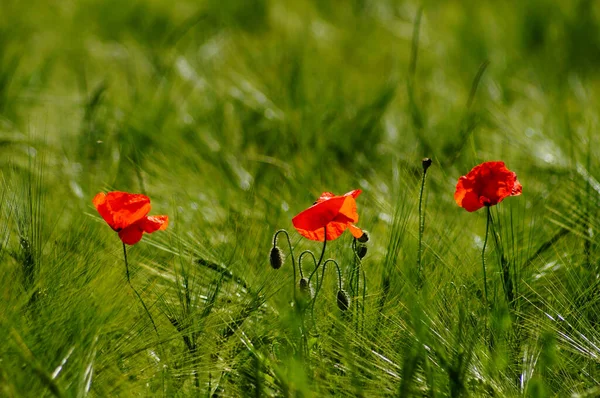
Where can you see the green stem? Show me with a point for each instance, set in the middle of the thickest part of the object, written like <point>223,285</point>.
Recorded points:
<point>283,231</point>
<point>487,228</point>
<point>136,292</point>
<point>421,227</point>
<point>364,294</point>
<point>324,245</point>
<point>300,261</point>
<point>322,254</point>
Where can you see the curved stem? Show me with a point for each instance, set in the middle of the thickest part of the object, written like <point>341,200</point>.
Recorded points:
<point>300,261</point>
<point>320,284</point>
<point>283,231</point>
<point>487,229</point>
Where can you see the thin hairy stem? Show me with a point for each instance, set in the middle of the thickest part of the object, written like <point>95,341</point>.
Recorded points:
<point>322,254</point>
<point>283,231</point>
<point>300,261</point>
<point>320,284</point>
<point>487,229</point>
<point>421,227</point>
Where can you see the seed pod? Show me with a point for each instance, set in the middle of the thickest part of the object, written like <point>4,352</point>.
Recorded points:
<point>343,300</point>
<point>276,258</point>
<point>361,251</point>
<point>426,163</point>
<point>364,237</point>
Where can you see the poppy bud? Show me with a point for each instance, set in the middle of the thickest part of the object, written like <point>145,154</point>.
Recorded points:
<point>343,300</point>
<point>364,237</point>
<point>304,285</point>
<point>306,294</point>
<point>426,163</point>
<point>305,288</point>
<point>276,258</point>
<point>361,251</point>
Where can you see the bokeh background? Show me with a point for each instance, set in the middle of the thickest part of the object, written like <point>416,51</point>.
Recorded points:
<point>233,116</point>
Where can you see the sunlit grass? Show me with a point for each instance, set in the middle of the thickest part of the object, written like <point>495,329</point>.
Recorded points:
<point>233,116</point>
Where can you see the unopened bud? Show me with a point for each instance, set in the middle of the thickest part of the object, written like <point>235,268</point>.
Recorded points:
<point>305,289</point>
<point>361,251</point>
<point>276,258</point>
<point>426,163</point>
<point>364,237</point>
<point>305,294</point>
<point>343,300</point>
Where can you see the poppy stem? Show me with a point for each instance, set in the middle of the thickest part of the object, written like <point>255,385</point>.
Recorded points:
<point>300,261</point>
<point>126,263</point>
<point>320,284</point>
<point>364,294</point>
<point>283,231</point>
<point>324,245</point>
<point>426,163</point>
<point>355,282</point>
<point>136,292</point>
<point>320,258</point>
<point>487,229</point>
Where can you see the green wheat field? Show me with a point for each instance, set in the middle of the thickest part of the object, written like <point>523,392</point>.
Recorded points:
<point>233,116</point>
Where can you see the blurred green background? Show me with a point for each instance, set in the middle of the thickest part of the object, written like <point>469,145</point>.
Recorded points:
<point>233,116</point>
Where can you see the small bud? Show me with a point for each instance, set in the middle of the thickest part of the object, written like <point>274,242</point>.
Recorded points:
<point>426,163</point>
<point>364,237</point>
<point>305,288</point>
<point>361,251</point>
<point>276,258</point>
<point>343,300</point>
<point>305,294</point>
<point>304,285</point>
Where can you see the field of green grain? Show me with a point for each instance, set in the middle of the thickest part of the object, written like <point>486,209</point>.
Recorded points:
<point>233,116</point>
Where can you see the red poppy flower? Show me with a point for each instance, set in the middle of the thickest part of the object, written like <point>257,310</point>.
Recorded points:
<point>127,213</point>
<point>337,213</point>
<point>486,185</point>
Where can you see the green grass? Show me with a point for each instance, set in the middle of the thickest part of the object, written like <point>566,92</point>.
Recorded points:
<point>233,116</point>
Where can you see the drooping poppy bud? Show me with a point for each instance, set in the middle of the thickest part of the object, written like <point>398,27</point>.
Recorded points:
<point>343,300</point>
<point>305,294</point>
<point>361,251</point>
<point>276,257</point>
<point>364,238</point>
<point>305,288</point>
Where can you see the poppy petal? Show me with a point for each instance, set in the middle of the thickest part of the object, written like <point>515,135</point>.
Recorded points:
<point>121,209</point>
<point>355,231</point>
<point>354,193</point>
<point>154,223</point>
<point>336,213</point>
<point>132,234</point>
<point>319,215</point>
<point>517,188</point>
<point>325,196</point>
<point>349,209</point>
<point>486,184</point>
<point>465,197</point>
<point>99,202</point>
<point>334,231</point>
